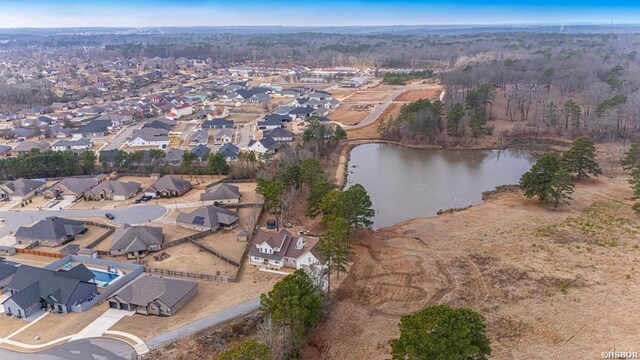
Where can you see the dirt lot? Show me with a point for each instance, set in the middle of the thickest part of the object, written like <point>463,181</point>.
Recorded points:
<point>190,258</point>
<point>211,298</point>
<point>368,96</point>
<point>551,284</point>
<point>371,131</point>
<point>413,95</point>
<point>350,114</point>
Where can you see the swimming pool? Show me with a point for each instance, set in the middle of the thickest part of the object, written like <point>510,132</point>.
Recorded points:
<point>104,277</point>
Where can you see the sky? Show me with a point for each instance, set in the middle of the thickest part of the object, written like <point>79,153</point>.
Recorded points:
<point>154,13</point>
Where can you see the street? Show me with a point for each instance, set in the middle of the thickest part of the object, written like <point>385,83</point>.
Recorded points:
<point>107,349</point>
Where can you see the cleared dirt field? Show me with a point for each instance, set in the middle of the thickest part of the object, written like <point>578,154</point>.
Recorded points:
<point>350,114</point>
<point>551,284</point>
<point>371,131</point>
<point>369,96</point>
<point>144,181</point>
<point>242,118</point>
<point>190,258</point>
<point>413,95</point>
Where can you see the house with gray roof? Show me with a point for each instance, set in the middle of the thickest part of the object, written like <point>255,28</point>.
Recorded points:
<point>5,150</point>
<point>222,193</point>
<point>282,249</point>
<point>153,295</point>
<point>229,151</point>
<point>168,186</point>
<point>6,273</point>
<point>278,135</point>
<point>113,190</point>
<point>201,151</point>
<point>207,218</point>
<point>32,289</point>
<point>222,136</point>
<point>94,128</point>
<point>69,188</point>
<point>174,156</point>
<point>69,145</point>
<point>20,189</point>
<point>199,137</point>
<point>219,123</point>
<point>52,231</point>
<point>136,241</point>
<point>28,146</point>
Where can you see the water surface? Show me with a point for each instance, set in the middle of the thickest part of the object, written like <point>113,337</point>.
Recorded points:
<point>406,183</point>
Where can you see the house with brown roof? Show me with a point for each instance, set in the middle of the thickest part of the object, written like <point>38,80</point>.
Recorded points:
<point>20,189</point>
<point>168,186</point>
<point>69,188</point>
<point>113,190</point>
<point>153,295</point>
<point>277,250</point>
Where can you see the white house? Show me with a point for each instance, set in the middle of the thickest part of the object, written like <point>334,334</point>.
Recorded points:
<point>182,110</point>
<point>150,137</point>
<point>66,145</point>
<point>262,146</point>
<point>222,136</point>
<point>278,250</point>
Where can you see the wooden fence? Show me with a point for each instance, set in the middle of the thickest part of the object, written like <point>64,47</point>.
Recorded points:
<point>183,274</point>
<point>40,253</point>
<point>111,230</point>
<point>214,253</point>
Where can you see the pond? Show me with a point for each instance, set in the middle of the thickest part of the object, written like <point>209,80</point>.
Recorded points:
<point>406,183</point>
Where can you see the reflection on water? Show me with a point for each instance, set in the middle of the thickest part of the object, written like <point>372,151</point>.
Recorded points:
<point>406,183</point>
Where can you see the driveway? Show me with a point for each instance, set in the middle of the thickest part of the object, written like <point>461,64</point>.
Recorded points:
<point>120,138</point>
<point>212,320</point>
<point>88,349</point>
<point>137,214</point>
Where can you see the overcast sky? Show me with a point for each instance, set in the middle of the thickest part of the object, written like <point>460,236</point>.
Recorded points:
<point>147,13</point>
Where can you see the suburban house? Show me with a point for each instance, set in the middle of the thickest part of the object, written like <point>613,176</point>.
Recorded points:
<point>199,137</point>
<point>174,156</point>
<point>262,146</point>
<point>218,124</point>
<point>136,241</point>
<point>67,145</point>
<point>182,110</point>
<point>69,188</point>
<point>229,151</point>
<point>168,186</point>
<point>28,146</point>
<point>20,189</point>
<point>278,117</point>
<point>94,128</point>
<point>162,124</point>
<point>221,194</point>
<point>32,289</point>
<point>153,295</point>
<point>150,137</point>
<point>5,150</point>
<point>201,151</point>
<point>277,250</point>
<point>7,270</point>
<point>52,231</point>
<point>270,124</point>
<point>113,190</point>
<point>222,136</point>
<point>278,135</point>
<point>208,218</point>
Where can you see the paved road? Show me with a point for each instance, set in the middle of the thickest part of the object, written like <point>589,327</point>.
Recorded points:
<point>136,214</point>
<point>215,319</point>
<point>244,133</point>
<point>89,349</point>
<point>121,137</point>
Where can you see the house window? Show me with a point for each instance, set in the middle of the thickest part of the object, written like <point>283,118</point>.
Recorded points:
<point>309,259</point>
<point>276,262</point>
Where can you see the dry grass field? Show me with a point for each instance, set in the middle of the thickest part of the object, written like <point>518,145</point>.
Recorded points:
<point>413,95</point>
<point>551,284</point>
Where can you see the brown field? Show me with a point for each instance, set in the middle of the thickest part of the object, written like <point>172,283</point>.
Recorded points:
<point>368,96</point>
<point>345,114</point>
<point>190,258</point>
<point>413,95</point>
<point>241,118</point>
<point>551,284</point>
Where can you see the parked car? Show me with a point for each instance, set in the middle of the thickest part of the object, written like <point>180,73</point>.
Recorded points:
<point>146,198</point>
<point>109,216</point>
<point>272,224</point>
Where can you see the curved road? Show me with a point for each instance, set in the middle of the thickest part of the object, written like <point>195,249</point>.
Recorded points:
<point>137,214</point>
<point>89,349</point>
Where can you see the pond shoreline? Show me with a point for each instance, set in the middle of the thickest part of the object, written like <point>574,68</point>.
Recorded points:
<point>451,171</point>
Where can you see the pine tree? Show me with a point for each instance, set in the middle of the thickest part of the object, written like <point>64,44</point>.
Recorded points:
<point>580,158</point>
<point>453,119</point>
